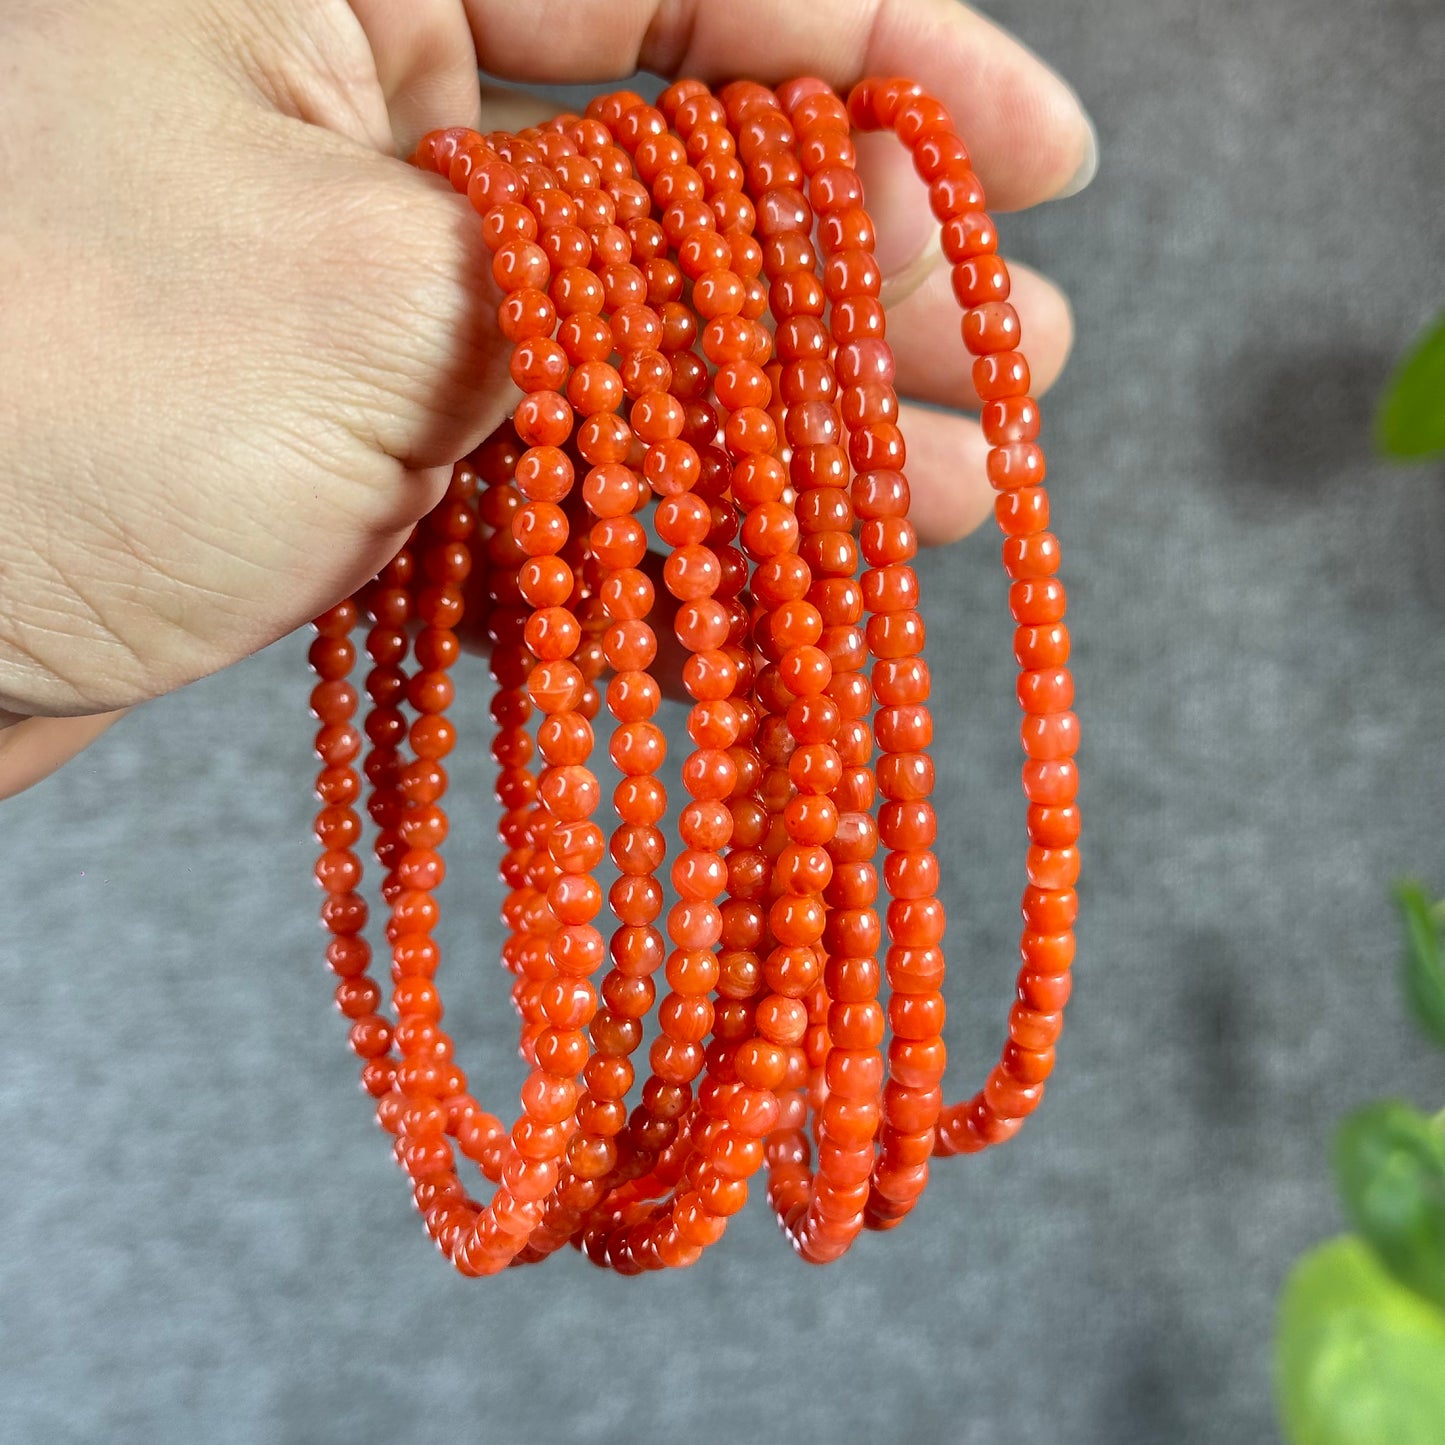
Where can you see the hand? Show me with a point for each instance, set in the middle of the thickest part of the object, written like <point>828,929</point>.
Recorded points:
<point>241,342</point>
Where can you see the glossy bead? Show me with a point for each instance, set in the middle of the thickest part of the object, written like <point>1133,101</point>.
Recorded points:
<point>633,259</point>
<point>992,326</point>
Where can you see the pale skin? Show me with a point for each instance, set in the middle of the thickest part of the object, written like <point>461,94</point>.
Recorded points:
<point>241,343</point>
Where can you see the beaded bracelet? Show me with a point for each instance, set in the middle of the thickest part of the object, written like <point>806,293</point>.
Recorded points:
<point>692,300</point>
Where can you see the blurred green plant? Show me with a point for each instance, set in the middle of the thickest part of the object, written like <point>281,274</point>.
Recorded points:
<point>1424,969</point>
<point>1360,1338</point>
<point>1360,1335</point>
<point>1410,424</point>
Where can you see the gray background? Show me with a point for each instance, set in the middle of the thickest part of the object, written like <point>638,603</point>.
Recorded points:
<point>204,1238</point>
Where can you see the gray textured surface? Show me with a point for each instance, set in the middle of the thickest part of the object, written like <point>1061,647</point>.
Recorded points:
<point>205,1239</point>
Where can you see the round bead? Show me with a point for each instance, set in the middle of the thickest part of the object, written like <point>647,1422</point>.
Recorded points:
<point>639,250</point>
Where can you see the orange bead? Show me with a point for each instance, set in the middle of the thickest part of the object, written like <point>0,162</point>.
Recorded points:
<point>594,386</point>
<point>639,264</point>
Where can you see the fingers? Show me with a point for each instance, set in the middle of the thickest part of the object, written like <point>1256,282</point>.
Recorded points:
<point>1026,128</point>
<point>950,490</point>
<point>1030,138</point>
<point>413,330</point>
<point>424,63</point>
<point>933,364</point>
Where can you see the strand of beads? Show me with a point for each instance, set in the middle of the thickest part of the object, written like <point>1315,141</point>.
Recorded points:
<point>640,250</point>
<point>1010,420</point>
<point>831,728</point>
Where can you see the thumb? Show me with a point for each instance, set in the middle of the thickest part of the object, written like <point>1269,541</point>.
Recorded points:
<point>34,747</point>
<point>445,382</point>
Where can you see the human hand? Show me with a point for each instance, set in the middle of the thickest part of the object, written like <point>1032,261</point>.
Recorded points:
<point>241,343</point>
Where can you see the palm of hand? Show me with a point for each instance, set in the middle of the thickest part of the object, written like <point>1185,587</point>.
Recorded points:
<point>271,338</point>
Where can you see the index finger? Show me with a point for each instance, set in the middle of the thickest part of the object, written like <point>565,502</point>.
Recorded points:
<point>1025,127</point>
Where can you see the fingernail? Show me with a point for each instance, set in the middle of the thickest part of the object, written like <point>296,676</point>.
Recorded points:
<point>1088,166</point>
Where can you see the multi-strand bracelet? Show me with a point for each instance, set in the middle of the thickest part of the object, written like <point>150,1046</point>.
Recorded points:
<point>693,303</point>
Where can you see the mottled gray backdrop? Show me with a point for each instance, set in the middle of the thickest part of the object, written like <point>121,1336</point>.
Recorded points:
<point>203,1237</point>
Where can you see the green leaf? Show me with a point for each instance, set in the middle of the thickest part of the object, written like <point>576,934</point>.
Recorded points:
<point>1424,963</point>
<point>1410,423</point>
<point>1359,1360</point>
<point>1390,1163</point>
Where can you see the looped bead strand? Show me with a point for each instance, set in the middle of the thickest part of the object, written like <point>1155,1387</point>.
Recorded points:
<point>693,304</point>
